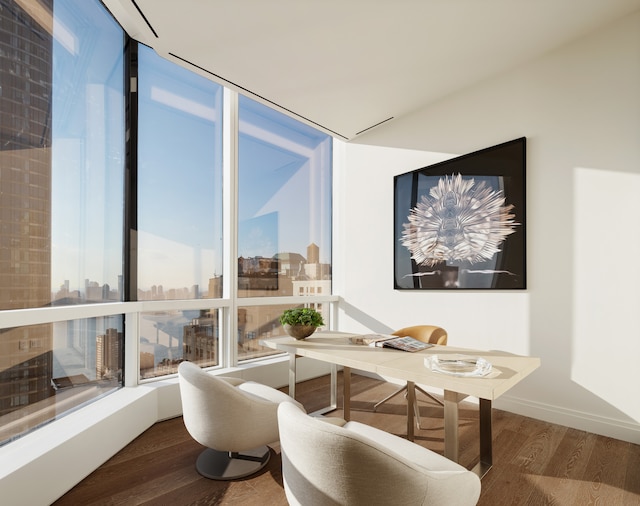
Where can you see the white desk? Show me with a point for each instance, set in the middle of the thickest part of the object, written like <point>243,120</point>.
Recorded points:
<point>335,348</point>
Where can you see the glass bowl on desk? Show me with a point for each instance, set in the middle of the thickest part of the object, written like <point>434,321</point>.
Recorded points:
<point>458,365</point>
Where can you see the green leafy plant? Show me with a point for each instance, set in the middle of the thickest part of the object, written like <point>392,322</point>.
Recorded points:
<point>301,316</point>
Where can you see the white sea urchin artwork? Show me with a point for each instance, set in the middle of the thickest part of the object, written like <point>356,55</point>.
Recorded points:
<point>458,221</point>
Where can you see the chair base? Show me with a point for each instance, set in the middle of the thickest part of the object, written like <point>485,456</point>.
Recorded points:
<point>217,465</point>
<point>416,408</point>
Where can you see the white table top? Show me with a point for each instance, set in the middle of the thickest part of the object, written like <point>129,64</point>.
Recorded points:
<point>335,347</point>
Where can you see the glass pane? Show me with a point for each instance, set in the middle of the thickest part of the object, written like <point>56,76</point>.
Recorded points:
<point>284,213</point>
<point>61,204</point>
<point>87,122</point>
<point>169,337</point>
<point>61,161</point>
<point>262,322</point>
<point>51,369</point>
<point>179,182</point>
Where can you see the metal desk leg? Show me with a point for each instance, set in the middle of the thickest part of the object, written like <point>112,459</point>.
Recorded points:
<point>451,449</point>
<point>334,386</point>
<point>411,401</point>
<point>451,400</point>
<point>346,400</point>
<point>334,394</point>
<point>486,441</point>
<point>292,375</point>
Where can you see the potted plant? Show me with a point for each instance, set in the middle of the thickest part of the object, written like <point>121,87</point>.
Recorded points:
<point>301,322</point>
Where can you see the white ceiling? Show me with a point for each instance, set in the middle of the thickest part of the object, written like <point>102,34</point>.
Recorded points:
<point>348,65</point>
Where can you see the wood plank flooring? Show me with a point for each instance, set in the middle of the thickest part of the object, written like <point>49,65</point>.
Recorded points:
<point>535,463</point>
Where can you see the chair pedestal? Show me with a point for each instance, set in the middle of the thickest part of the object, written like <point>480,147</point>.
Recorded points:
<point>416,408</point>
<point>218,465</point>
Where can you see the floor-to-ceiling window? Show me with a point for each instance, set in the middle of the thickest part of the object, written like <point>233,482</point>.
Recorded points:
<point>61,205</point>
<point>179,212</point>
<point>93,242</point>
<point>284,219</point>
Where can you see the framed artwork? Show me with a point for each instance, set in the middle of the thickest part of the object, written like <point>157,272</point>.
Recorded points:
<point>460,224</point>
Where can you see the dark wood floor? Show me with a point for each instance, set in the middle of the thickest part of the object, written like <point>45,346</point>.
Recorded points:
<point>535,463</point>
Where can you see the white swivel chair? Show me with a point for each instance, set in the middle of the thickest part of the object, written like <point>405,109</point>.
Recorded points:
<point>428,334</point>
<point>354,464</point>
<point>233,418</point>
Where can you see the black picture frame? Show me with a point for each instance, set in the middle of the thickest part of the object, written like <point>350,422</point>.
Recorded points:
<point>461,223</point>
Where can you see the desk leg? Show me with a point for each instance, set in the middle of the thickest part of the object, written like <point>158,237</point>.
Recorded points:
<point>451,400</point>
<point>334,387</point>
<point>334,390</point>
<point>292,375</point>
<point>411,401</point>
<point>486,441</point>
<point>346,399</point>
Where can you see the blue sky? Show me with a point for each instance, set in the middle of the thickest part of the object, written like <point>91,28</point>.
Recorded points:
<point>179,172</point>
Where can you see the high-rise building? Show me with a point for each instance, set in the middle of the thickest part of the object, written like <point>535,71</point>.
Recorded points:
<point>25,207</point>
<point>108,354</point>
<point>200,340</point>
<point>313,254</point>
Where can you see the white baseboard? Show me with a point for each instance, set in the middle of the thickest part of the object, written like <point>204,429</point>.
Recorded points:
<point>589,422</point>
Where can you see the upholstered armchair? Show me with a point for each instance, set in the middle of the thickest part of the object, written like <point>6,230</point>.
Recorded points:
<point>326,464</point>
<point>233,418</point>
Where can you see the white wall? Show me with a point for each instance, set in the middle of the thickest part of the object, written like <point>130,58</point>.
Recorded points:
<point>579,108</point>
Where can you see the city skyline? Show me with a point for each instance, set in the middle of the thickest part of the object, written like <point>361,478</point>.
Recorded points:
<point>64,291</point>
